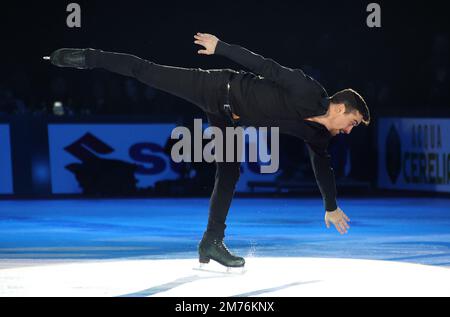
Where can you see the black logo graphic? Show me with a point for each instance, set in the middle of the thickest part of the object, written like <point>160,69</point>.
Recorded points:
<point>99,176</point>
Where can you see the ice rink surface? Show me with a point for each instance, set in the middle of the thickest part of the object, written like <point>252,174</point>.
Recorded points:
<point>147,247</point>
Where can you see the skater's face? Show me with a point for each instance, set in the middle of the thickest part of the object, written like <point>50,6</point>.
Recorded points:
<point>344,122</point>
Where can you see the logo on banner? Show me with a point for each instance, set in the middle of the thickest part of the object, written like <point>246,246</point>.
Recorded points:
<point>100,175</point>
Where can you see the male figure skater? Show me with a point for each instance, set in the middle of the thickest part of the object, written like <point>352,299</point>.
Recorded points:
<point>270,95</point>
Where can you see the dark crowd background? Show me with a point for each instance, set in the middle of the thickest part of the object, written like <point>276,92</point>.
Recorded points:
<point>400,68</point>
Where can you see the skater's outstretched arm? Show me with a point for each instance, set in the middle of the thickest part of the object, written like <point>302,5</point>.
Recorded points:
<point>321,164</point>
<point>268,68</point>
<point>324,174</point>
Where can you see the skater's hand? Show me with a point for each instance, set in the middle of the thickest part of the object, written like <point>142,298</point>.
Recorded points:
<point>338,219</point>
<point>208,41</point>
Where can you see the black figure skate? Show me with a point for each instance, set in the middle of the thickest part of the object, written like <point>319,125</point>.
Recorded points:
<point>213,248</point>
<point>69,57</point>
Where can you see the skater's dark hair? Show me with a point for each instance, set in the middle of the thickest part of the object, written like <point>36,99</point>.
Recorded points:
<point>353,102</point>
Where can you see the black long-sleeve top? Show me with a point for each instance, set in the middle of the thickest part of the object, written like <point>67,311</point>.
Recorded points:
<point>272,95</point>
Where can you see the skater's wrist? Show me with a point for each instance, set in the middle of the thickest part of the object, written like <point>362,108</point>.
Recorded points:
<point>222,48</point>
<point>330,206</point>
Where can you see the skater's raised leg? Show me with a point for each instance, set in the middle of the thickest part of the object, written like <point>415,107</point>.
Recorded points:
<point>204,88</point>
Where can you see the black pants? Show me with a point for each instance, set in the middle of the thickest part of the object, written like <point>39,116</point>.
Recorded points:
<point>204,88</point>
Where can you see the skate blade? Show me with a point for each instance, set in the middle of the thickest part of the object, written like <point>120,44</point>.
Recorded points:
<point>219,269</point>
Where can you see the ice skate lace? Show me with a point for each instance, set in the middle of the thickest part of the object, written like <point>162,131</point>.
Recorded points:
<point>223,246</point>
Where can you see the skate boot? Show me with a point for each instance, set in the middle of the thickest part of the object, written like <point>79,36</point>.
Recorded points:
<point>213,248</point>
<point>69,57</point>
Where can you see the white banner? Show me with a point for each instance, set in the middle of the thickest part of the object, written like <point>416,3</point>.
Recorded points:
<point>414,154</point>
<point>6,183</point>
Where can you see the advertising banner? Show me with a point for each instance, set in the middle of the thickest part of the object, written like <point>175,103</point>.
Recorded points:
<point>6,183</point>
<point>124,158</point>
<point>414,154</point>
